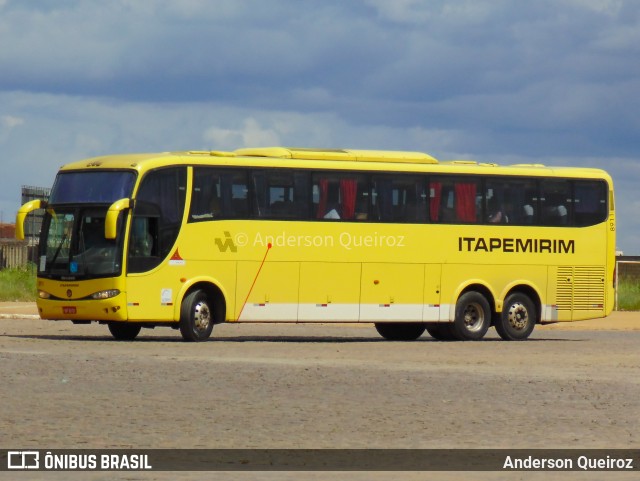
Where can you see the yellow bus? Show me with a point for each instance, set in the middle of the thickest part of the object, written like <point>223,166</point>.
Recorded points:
<point>396,239</point>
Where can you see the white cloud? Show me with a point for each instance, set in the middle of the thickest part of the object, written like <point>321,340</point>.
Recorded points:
<point>421,11</point>
<point>223,139</point>
<point>251,134</point>
<point>609,7</point>
<point>10,121</point>
<point>254,134</point>
<point>411,11</point>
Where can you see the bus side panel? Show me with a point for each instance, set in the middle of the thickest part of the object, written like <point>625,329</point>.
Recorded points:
<point>610,258</point>
<point>272,291</point>
<point>156,295</point>
<point>329,291</point>
<point>151,296</point>
<point>579,292</point>
<point>392,292</point>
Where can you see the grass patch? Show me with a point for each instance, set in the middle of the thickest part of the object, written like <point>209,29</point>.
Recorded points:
<point>18,284</point>
<point>628,295</point>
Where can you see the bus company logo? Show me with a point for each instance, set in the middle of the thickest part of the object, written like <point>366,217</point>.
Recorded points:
<point>226,243</point>
<point>516,245</point>
<point>23,460</point>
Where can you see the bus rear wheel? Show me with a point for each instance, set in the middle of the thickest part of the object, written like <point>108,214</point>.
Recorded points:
<point>196,317</point>
<point>473,317</point>
<point>124,331</point>
<point>518,318</point>
<point>400,331</point>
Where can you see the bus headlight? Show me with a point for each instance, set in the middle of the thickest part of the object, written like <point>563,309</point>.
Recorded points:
<point>108,294</point>
<point>43,295</point>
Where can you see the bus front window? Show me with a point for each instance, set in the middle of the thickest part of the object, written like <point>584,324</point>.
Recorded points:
<point>57,243</point>
<point>74,245</point>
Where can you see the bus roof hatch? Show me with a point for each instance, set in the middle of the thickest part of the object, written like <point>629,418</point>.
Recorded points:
<point>339,154</point>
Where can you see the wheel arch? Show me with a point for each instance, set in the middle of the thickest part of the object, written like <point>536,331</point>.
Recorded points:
<point>480,288</point>
<point>531,292</point>
<point>213,291</point>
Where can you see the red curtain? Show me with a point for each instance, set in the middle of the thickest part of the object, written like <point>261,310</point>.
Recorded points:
<point>348,191</point>
<point>324,194</point>
<point>434,198</point>
<point>466,202</point>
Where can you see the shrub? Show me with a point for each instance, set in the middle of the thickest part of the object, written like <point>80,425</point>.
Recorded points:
<point>18,284</point>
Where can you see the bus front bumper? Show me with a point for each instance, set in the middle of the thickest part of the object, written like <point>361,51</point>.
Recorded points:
<point>113,309</point>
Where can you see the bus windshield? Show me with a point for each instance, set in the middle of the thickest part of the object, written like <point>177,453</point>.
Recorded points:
<point>96,187</point>
<point>73,245</point>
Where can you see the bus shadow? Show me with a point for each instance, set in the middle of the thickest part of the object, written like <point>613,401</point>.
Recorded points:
<point>177,339</point>
<point>334,339</point>
<point>304,339</point>
<point>267,339</point>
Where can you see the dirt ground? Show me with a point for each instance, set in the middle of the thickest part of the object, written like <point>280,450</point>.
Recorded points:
<point>317,386</point>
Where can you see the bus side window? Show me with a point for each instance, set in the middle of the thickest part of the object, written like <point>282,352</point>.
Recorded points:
<point>590,202</point>
<point>144,234</point>
<point>399,199</point>
<point>435,199</point>
<point>218,193</point>
<point>453,200</point>
<point>510,201</point>
<point>465,201</point>
<point>205,195</point>
<point>280,194</point>
<point>555,201</point>
<point>339,197</point>
<point>234,198</point>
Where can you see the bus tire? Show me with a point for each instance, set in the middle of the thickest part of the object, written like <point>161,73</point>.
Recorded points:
<point>441,331</point>
<point>518,318</point>
<point>196,317</point>
<point>400,331</point>
<point>124,331</point>
<point>473,317</point>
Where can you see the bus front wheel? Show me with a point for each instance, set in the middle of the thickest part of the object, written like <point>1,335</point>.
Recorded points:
<point>518,318</point>
<point>473,317</point>
<point>124,331</point>
<point>196,317</point>
<point>400,331</point>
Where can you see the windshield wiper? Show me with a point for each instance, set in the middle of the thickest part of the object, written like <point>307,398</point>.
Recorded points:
<point>55,256</point>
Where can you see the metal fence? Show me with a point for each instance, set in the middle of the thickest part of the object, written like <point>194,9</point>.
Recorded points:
<point>627,270</point>
<point>14,254</point>
<point>33,222</point>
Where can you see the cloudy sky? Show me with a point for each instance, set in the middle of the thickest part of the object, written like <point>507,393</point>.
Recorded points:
<point>550,81</point>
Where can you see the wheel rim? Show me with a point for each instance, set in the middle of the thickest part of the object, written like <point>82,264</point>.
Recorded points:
<point>201,316</point>
<point>518,316</point>
<point>473,317</point>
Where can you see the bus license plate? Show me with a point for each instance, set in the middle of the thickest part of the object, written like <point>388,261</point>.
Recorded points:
<point>69,310</point>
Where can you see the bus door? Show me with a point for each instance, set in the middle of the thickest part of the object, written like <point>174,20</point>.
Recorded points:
<point>152,278</point>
